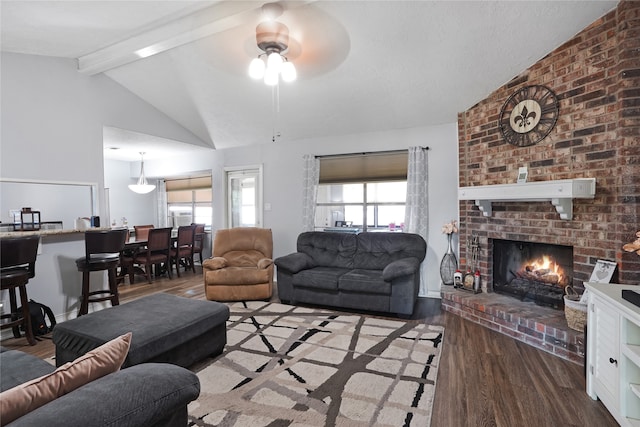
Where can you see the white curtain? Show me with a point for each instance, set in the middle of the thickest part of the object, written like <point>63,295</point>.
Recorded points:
<point>310,182</point>
<point>417,210</point>
<point>161,194</point>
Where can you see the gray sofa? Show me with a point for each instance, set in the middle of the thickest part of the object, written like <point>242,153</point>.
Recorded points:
<point>149,394</point>
<point>368,271</point>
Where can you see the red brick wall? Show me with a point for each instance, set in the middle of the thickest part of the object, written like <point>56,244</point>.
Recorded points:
<point>596,76</point>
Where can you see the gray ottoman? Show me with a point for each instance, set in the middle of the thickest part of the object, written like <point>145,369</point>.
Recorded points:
<point>165,329</point>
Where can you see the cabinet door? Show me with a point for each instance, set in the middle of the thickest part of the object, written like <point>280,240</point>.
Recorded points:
<point>606,352</point>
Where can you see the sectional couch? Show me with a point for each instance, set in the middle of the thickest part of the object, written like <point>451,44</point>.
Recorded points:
<point>149,394</point>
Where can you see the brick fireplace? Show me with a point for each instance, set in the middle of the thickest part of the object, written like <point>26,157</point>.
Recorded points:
<point>596,77</point>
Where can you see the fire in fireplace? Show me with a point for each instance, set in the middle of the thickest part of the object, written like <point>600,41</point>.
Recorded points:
<point>530,271</point>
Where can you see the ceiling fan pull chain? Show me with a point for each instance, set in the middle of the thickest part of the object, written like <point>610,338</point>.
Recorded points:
<point>275,101</point>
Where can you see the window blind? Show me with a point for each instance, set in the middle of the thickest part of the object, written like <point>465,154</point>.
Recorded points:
<point>365,167</point>
<point>191,183</point>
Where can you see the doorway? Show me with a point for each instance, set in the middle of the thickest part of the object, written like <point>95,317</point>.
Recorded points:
<point>244,196</point>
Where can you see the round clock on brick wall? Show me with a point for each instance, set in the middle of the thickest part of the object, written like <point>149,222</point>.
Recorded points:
<point>528,115</point>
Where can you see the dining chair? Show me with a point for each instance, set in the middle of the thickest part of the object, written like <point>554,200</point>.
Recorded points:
<point>156,252</point>
<point>198,241</point>
<point>183,250</point>
<point>18,263</point>
<point>102,252</point>
<point>141,232</point>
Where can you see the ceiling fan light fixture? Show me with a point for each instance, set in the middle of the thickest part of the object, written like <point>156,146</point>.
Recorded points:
<point>288,72</point>
<point>142,186</point>
<point>270,77</point>
<point>256,69</point>
<point>272,37</point>
<point>274,62</point>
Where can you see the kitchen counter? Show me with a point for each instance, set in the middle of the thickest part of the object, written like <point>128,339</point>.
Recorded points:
<point>44,233</point>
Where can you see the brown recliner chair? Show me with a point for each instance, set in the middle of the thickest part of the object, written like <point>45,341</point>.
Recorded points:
<point>241,267</point>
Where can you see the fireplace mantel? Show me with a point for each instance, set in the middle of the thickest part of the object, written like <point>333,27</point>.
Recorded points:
<point>560,193</point>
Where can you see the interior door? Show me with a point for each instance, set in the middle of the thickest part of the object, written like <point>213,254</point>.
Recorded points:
<point>244,197</point>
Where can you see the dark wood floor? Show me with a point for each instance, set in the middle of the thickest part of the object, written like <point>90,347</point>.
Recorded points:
<point>485,378</point>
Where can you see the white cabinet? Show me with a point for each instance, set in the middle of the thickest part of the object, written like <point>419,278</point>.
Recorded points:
<point>613,351</point>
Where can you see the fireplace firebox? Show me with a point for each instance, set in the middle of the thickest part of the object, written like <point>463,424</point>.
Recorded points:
<point>530,271</point>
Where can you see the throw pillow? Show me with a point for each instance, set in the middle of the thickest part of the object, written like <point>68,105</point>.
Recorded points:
<point>97,363</point>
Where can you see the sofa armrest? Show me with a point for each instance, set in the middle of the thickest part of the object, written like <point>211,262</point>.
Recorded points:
<point>399,268</point>
<point>295,262</point>
<point>142,395</point>
<point>264,263</point>
<point>215,263</point>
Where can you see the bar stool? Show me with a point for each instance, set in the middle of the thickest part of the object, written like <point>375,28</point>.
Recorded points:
<point>102,252</point>
<point>18,265</point>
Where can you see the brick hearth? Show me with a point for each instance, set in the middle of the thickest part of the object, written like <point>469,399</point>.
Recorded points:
<point>541,327</point>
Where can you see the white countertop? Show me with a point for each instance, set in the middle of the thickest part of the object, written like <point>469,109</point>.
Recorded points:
<point>45,233</point>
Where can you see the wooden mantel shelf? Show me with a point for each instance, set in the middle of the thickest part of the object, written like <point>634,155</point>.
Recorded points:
<point>560,193</point>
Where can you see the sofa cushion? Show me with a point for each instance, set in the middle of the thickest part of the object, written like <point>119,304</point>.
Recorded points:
<point>364,281</point>
<point>237,276</point>
<point>328,249</point>
<point>246,258</point>
<point>22,399</point>
<point>150,394</point>
<point>17,367</point>
<point>319,278</point>
<point>377,250</point>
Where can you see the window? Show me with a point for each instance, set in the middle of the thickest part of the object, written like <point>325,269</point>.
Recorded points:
<point>379,205</point>
<point>367,191</point>
<point>189,200</point>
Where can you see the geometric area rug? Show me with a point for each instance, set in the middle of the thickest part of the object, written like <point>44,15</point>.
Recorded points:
<point>294,366</point>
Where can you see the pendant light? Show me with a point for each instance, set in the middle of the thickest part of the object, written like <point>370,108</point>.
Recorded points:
<point>142,186</point>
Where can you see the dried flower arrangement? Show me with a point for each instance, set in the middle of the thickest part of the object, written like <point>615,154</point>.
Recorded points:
<point>450,227</point>
<point>633,246</point>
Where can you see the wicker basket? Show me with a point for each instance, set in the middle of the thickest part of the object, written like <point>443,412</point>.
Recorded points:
<point>574,310</point>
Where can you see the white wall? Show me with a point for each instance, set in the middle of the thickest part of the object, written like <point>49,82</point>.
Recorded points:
<point>282,163</point>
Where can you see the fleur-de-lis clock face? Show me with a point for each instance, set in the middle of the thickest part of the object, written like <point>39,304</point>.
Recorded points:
<point>528,115</point>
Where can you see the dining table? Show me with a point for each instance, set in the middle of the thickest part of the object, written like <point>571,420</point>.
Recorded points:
<point>133,246</point>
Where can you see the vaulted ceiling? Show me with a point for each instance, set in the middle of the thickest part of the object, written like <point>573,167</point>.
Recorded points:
<point>363,66</point>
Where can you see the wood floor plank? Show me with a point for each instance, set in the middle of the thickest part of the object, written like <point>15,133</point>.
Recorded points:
<point>484,378</point>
